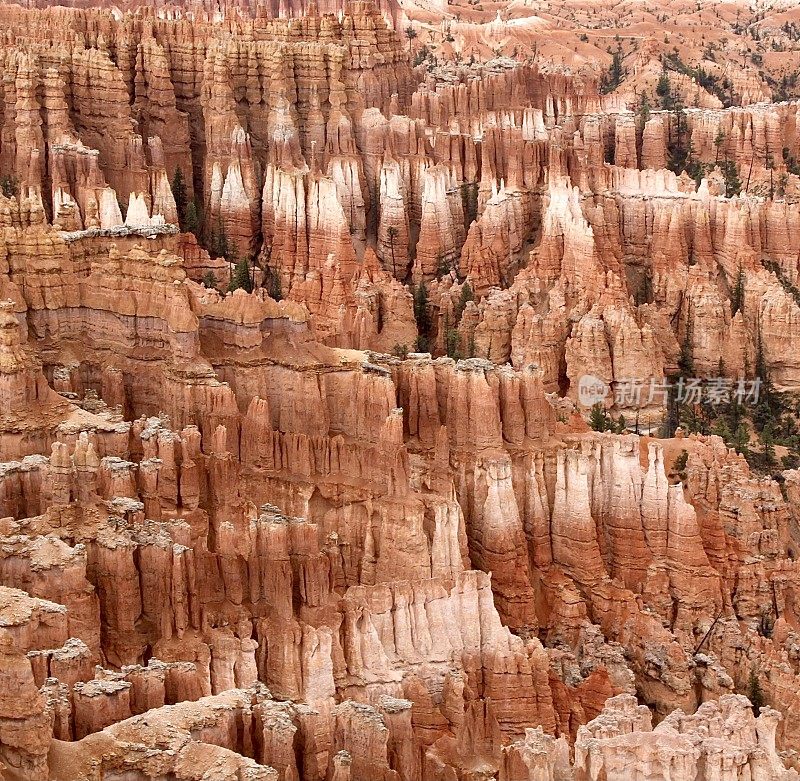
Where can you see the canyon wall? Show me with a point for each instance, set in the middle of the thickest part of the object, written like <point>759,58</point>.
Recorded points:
<point>352,525</point>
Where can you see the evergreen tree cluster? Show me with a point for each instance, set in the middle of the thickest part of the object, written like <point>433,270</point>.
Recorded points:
<point>464,298</point>
<point>786,88</point>
<point>754,692</point>
<point>737,294</point>
<point>733,185</point>
<point>613,77</point>
<point>188,215</point>
<point>241,277</point>
<point>664,91</point>
<point>792,166</point>
<point>753,429</point>
<point>218,244</point>
<point>600,420</point>
<point>680,153</point>
<point>719,86</point>
<point>469,199</point>
<point>422,317</point>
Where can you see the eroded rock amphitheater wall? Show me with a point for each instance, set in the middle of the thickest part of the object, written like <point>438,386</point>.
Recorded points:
<point>351,525</point>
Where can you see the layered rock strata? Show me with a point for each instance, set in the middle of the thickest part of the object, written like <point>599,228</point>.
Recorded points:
<point>258,534</point>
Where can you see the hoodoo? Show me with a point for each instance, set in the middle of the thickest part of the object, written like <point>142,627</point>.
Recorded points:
<point>399,391</point>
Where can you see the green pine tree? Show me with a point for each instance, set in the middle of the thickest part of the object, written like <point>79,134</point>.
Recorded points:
<point>411,34</point>
<point>421,314</point>
<point>719,140</point>
<point>391,233</point>
<point>733,185</point>
<point>180,196</point>
<point>766,391</point>
<point>241,277</point>
<point>273,284</point>
<point>469,199</point>
<point>466,296</point>
<point>680,461</point>
<point>613,77</point>
<point>721,429</point>
<point>741,439</point>
<point>754,692</point>
<point>664,91</point>
<point>737,296</point>
<point>768,441</point>
<point>644,108</point>
<point>219,243</point>
<point>685,360</point>
<point>191,219</point>
<point>599,419</point>
<point>452,344</point>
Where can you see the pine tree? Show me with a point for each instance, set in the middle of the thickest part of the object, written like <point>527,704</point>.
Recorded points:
<point>219,243</point>
<point>721,429</point>
<point>737,296</point>
<point>466,296</point>
<point>191,219</point>
<point>680,151</point>
<point>719,140</point>
<point>400,351</point>
<point>733,185</point>
<point>741,439</point>
<point>768,441</point>
<point>686,360</point>
<point>209,280</point>
<point>694,167</point>
<point>616,66</point>
<point>664,90</point>
<point>754,692</point>
<point>421,314</point>
<point>766,391</point>
<point>241,277</point>
<point>391,232</point>
<point>452,343</point>
<point>179,194</point>
<point>599,419</point>
<point>469,198</point>
<point>273,284</point>
<point>644,108</point>
<point>613,78</point>
<point>411,33</point>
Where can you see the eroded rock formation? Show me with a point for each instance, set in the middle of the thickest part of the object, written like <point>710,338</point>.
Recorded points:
<point>351,525</point>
